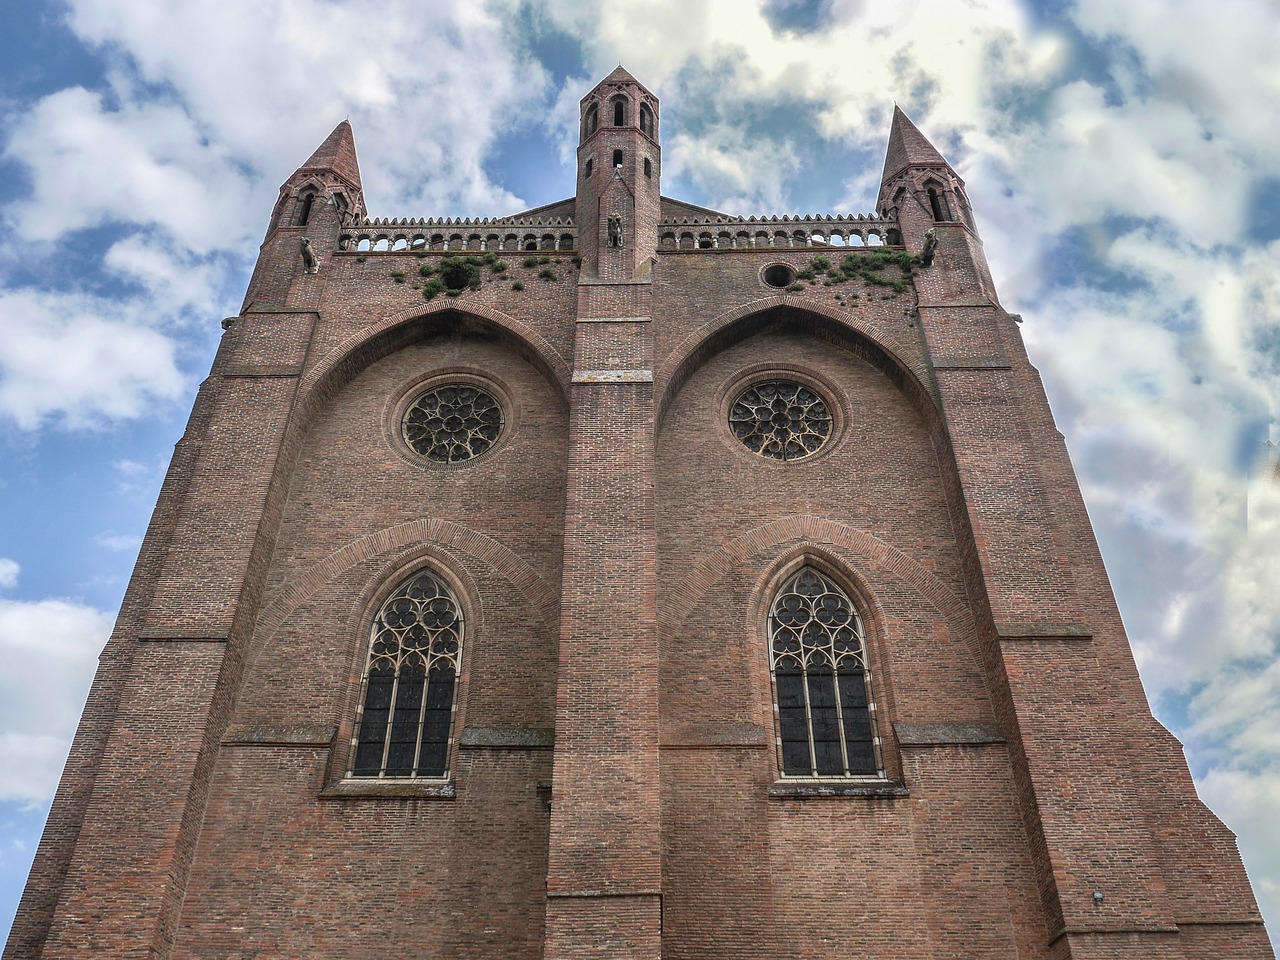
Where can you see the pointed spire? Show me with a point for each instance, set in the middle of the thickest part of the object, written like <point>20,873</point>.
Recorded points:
<point>619,75</point>
<point>907,147</point>
<point>338,155</point>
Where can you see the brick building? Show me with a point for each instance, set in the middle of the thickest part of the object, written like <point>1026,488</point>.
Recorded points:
<point>625,579</point>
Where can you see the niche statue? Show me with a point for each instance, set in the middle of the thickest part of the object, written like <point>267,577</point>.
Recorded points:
<point>309,258</point>
<point>615,230</point>
<point>930,247</point>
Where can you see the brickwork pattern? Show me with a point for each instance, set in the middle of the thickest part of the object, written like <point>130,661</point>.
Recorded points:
<point>614,784</point>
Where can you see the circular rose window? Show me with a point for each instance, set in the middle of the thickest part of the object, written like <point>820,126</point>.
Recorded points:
<point>781,419</point>
<point>452,423</point>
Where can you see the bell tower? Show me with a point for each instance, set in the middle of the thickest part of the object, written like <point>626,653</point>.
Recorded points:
<point>619,173</point>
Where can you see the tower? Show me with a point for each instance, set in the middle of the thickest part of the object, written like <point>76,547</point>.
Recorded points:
<point>674,585</point>
<point>619,177</point>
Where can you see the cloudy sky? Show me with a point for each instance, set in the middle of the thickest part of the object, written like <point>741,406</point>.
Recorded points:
<point>1123,161</point>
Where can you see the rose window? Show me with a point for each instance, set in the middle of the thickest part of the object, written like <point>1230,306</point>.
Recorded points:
<point>781,419</point>
<point>453,423</point>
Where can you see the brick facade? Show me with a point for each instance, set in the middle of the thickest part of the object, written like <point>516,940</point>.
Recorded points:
<point>614,785</point>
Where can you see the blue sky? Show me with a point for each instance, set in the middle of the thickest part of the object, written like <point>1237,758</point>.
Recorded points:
<point>1122,159</point>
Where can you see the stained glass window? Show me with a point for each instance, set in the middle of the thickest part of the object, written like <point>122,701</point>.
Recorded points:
<point>415,655</point>
<point>820,680</point>
<point>452,423</point>
<point>780,419</point>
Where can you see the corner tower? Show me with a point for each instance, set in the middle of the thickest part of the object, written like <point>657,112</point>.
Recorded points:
<point>315,202</point>
<point>922,191</point>
<point>619,173</point>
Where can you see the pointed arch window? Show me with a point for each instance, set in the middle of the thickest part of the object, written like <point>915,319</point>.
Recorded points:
<point>619,112</point>
<point>821,683</point>
<point>591,122</point>
<point>410,679</point>
<point>304,207</point>
<point>646,120</point>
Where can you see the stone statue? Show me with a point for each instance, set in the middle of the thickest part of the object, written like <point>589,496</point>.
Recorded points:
<point>309,258</point>
<point>615,230</point>
<point>930,247</point>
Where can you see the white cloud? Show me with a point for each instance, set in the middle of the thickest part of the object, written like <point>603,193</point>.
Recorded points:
<point>8,572</point>
<point>55,643</point>
<point>79,359</point>
<point>119,542</point>
<point>142,163</point>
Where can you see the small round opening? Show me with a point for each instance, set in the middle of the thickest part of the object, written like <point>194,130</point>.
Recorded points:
<point>779,275</point>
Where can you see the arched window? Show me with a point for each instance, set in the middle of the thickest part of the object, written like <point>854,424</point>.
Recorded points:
<point>938,202</point>
<point>591,121</point>
<point>415,656</point>
<point>304,207</point>
<point>586,170</point>
<point>820,680</point>
<point>617,158</point>
<point>619,112</point>
<point>646,120</point>
<point>648,167</point>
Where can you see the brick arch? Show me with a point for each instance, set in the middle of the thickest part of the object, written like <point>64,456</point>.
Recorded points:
<point>341,363</point>
<point>910,376</point>
<point>712,567</point>
<point>434,531</point>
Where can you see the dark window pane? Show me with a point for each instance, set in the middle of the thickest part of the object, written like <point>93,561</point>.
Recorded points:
<point>368,759</point>
<point>853,689</point>
<point>830,763</point>
<point>862,758</point>
<point>795,758</point>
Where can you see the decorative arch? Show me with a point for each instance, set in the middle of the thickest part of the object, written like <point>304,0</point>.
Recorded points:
<point>344,361</point>
<point>911,377</point>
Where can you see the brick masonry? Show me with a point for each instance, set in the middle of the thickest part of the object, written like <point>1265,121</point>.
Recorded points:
<point>614,786</point>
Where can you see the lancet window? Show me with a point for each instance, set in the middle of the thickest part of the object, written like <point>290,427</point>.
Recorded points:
<point>410,677</point>
<point>821,682</point>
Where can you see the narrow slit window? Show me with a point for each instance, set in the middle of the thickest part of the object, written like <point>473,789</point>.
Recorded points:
<point>410,680</point>
<point>821,683</point>
<point>619,113</point>
<point>304,209</point>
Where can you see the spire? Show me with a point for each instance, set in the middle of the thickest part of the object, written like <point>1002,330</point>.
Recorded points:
<point>337,155</point>
<point>908,147</point>
<point>620,75</point>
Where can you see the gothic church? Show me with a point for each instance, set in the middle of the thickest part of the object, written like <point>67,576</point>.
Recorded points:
<point>624,579</point>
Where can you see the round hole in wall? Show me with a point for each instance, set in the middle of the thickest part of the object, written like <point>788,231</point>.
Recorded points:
<point>779,275</point>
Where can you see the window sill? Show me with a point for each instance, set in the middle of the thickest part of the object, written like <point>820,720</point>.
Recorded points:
<point>391,789</point>
<point>834,789</point>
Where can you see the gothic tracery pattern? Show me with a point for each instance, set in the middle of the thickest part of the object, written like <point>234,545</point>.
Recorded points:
<point>780,419</point>
<point>415,655</point>
<point>820,678</point>
<point>453,423</point>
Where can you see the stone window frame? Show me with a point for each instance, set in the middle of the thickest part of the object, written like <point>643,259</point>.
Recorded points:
<point>887,782</point>
<point>409,392</point>
<point>383,585</point>
<point>442,655</point>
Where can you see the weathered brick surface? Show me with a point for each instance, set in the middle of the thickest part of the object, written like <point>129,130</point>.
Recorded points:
<point>613,787</point>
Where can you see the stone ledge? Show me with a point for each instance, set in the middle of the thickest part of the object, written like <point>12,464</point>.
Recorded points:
<point>184,634</point>
<point>390,790</point>
<point>507,738</point>
<point>615,319</point>
<point>244,370</point>
<point>972,363</point>
<point>613,376</point>
<point>1043,631</point>
<point>279,735</point>
<point>944,734</point>
<point>832,789</point>
<point>691,735</point>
